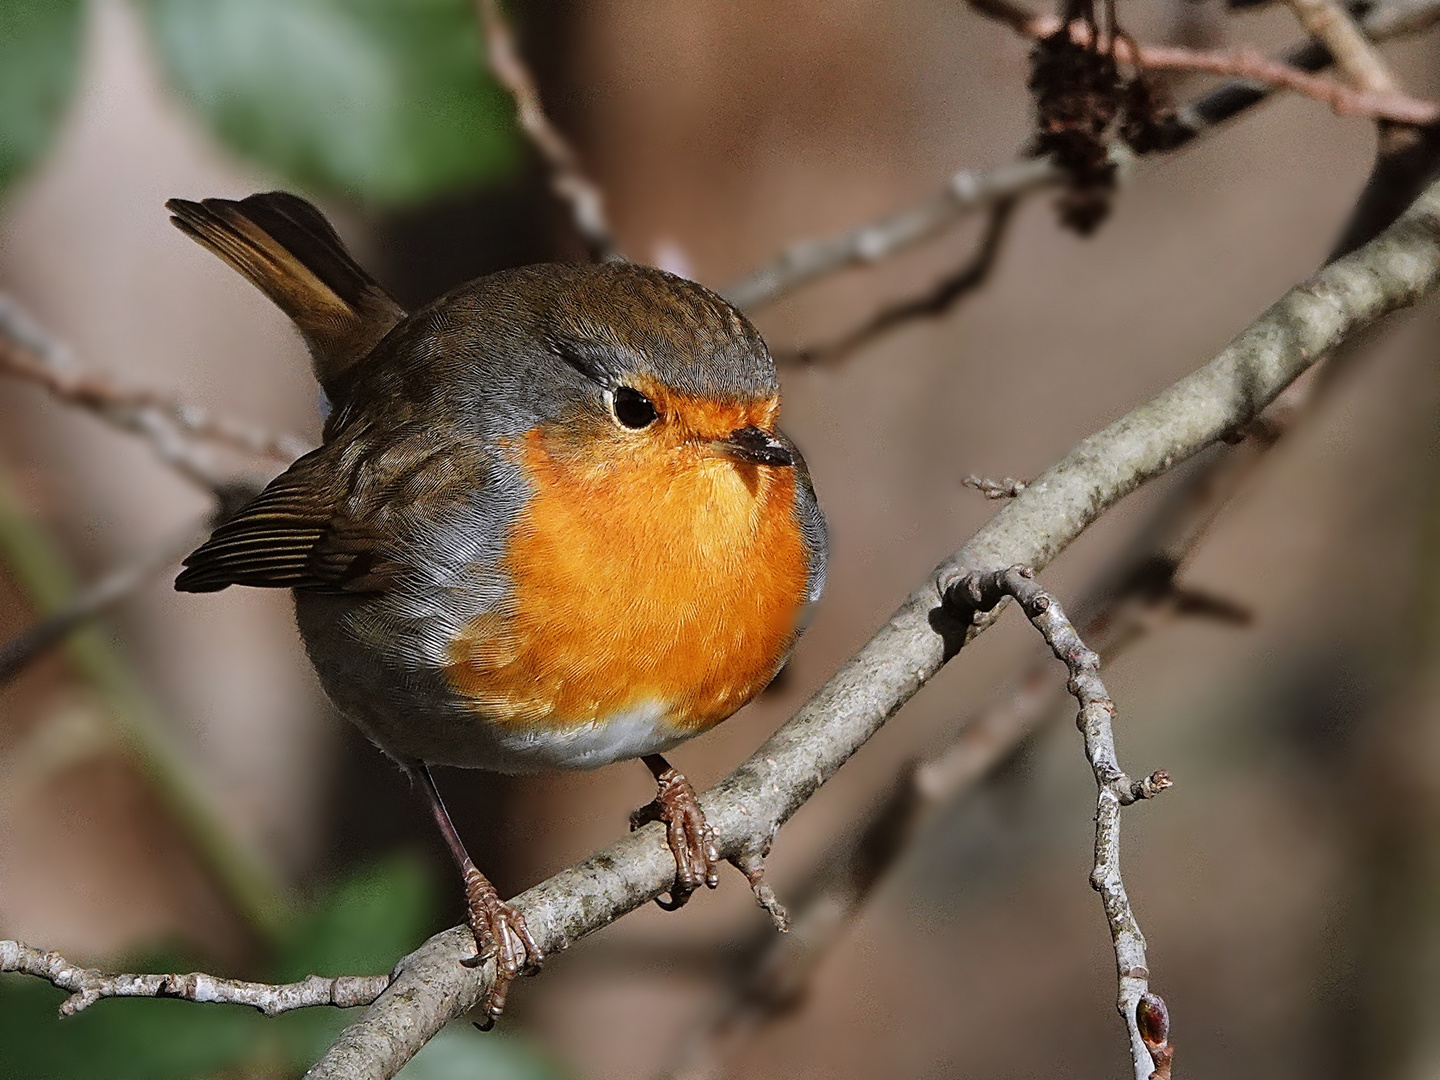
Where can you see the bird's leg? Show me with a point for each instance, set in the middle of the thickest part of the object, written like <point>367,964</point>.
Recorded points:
<point>692,841</point>
<point>499,929</point>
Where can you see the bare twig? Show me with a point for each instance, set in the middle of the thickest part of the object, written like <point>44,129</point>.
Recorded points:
<point>1255,66</point>
<point>963,193</point>
<point>87,985</point>
<point>982,591</point>
<point>97,598</point>
<point>938,300</point>
<point>1355,57</point>
<point>567,178</point>
<point>966,192</point>
<point>175,431</point>
<point>1247,63</point>
<point>1007,488</point>
<point>746,809</point>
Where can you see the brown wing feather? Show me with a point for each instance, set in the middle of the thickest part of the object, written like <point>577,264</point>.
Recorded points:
<point>341,519</point>
<point>271,542</point>
<point>287,249</point>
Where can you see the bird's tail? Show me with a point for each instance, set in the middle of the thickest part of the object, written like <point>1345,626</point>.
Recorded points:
<point>292,254</point>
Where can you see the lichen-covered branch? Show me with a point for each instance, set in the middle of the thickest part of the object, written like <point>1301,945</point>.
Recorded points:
<point>87,985</point>
<point>431,986</point>
<point>982,591</point>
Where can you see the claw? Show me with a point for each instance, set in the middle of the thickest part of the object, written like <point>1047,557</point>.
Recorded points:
<point>500,932</point>
<point>691,839</point>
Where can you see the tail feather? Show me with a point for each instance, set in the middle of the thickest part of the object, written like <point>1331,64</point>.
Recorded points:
<point>287,249</point>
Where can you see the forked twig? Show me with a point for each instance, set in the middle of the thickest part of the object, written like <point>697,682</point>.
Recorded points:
<point>980,592</point>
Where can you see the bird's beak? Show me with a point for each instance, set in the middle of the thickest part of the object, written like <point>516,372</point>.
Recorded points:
<point>757,447</point>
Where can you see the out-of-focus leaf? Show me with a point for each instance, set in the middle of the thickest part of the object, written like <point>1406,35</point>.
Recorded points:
<point>366,924</point>
<point>120,1039</point>
<point>384,100</point>
<point>462,1053</point>
<point>39,55</point>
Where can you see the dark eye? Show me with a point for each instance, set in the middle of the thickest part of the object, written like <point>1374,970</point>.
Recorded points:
<point>632,408</point>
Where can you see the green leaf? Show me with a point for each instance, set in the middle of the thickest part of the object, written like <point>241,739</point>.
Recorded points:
<point>462,1053</point>
<point>119,1039</point>
<point>383,100</point>
<point>39,56</point>
<point>363,927</point>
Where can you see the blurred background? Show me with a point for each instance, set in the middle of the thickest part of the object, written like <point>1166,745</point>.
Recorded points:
<point>175,790</point>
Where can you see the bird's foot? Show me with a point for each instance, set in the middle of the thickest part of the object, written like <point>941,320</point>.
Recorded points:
<point>500,932</point>
<point>691,839</point>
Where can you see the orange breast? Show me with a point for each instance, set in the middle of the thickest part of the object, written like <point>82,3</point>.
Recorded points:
<point>653,573</point>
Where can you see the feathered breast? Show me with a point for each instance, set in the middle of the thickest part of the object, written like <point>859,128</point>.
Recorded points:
<point>673,576</point>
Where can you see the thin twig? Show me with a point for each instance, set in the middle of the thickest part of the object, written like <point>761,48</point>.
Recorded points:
<point>1248,64</point>
<point>567,178</point>
<point>97,598</point>
<point>807,261</point>
<point>747,809</point>
<point>1355,57</point>
<point>982,591</point>
<point>177,432</point>
<point>1251,64</point>
<point>963,193</point>
<point>87,985</point>
<point>937,301</point>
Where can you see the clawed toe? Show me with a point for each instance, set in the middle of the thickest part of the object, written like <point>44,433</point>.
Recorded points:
<point>691,839</point>
<point>500,932</point>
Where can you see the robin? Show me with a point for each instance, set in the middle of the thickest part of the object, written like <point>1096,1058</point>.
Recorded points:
<point>552,523</point>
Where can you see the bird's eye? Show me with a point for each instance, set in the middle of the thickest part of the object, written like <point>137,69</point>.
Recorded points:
<point>632,408</point>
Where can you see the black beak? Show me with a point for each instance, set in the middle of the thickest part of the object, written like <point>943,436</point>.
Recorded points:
<point>757,447</point>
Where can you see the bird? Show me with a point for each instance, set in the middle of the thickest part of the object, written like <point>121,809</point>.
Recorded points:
<point>552,523</point>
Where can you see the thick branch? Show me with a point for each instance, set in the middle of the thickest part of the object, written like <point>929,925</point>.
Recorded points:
<point>87,986</point>
<point>1132,598</point>
<point>567,178</point>
<point>747,808</point>
<point>982,591</point>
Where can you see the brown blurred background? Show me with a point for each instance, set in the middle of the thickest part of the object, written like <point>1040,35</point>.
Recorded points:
<point>1286,885</point>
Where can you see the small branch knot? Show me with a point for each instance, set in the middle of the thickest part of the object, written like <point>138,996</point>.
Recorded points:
<point>1006,488</point>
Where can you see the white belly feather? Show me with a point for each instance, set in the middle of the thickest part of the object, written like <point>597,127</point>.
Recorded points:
<point>645,729</point>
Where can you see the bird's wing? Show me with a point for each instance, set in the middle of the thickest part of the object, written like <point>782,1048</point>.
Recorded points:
<point>348,517</point>
<point>287,249</point>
